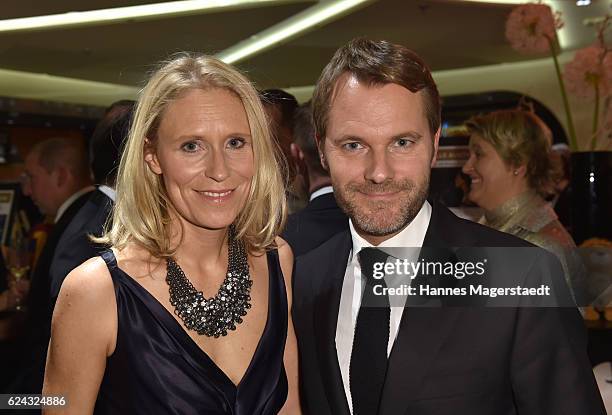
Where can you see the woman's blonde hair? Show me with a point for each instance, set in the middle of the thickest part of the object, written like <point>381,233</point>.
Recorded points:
<point>141,213</point>
<point>521,138</point>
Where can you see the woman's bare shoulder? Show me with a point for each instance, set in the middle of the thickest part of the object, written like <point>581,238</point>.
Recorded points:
<point>90,282</point>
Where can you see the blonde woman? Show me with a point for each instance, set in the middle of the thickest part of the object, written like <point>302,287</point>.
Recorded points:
<point>188,312</point>
<point>512,169</point>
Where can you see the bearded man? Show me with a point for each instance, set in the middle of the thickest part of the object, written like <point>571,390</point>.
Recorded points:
<point>376,111</point>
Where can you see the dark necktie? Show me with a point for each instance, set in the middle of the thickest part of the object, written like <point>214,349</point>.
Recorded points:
<point>369,356</point>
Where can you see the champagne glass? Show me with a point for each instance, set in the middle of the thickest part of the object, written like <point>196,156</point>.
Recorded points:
<point>18,258</point>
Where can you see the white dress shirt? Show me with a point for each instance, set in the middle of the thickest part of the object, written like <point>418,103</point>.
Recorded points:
<point>108,191</point>
<point>350,298</point>
<point>320,192</point>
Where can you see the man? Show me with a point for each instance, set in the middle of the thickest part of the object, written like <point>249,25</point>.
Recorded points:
<point>58,180</point>
<point>280,107</point>
<point>377,118</point>
<point>321,218</point>
<point>75,247</point>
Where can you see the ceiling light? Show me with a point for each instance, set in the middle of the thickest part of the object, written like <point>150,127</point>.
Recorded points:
<point>314,16</point>
<point>130,13</point>
<point>583,2</point>
<point>498,1</point>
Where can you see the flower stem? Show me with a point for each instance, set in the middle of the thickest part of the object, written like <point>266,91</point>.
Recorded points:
<point>570,122</point>
<point>595,118</point>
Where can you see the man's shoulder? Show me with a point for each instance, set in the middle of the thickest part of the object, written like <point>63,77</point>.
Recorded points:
<point>331,248</point>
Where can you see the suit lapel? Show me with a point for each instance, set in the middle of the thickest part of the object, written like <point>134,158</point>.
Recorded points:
<point>327,293</point>
<point>422,331</point>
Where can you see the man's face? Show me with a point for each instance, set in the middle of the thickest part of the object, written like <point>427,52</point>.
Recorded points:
<point>379,152</point>
<point>41,186</point>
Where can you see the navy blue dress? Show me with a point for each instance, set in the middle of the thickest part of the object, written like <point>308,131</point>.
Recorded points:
<point>158,369</point>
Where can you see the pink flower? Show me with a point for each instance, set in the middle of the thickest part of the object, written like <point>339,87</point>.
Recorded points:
<point>591,68</point>
<point>531,27</point>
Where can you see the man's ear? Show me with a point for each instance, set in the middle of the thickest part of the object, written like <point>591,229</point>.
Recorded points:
<point>150,157</point>
<point>436,142</point>
<point>61,175</point>
<point>320,145</point>
<point>296,152</point>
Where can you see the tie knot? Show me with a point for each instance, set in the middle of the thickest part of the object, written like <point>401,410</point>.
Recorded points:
<point>368,257</point>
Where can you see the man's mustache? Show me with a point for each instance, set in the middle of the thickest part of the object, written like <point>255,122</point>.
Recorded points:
<point>389,186</point>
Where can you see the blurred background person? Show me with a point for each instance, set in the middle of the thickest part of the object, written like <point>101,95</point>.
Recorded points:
<point>322,218</point>
<point>560,200</point>
<point>191,303</point>
<point>105,146</point>
<point>280,107</point>
<point>511,172</point>
<point>57,178</point>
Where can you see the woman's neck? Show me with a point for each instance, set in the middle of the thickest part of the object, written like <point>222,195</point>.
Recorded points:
<point>510,209</point>
<point>199,247</point>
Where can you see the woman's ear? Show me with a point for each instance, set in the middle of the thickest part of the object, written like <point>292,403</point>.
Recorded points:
<point>150,157</point>
<point>519,171</point>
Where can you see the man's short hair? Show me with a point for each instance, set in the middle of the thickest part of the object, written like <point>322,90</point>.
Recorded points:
<point>284,101</point>
<point>61,152</point>
<point>375,62</point>
<point>304,137</point>
<point>107,141</point>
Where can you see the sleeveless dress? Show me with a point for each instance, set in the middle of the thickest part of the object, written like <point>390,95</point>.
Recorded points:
<point>157,368</point>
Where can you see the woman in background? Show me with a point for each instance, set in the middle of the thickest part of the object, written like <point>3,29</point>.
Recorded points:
<point>512,170</point>
<point>188,313</point>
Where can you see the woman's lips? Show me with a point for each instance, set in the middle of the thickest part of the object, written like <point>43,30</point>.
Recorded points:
<point>217,196</point>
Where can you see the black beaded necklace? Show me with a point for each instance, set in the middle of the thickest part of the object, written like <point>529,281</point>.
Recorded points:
<point>214,316</point>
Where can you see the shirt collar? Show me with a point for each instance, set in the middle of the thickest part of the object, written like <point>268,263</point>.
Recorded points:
<point>412,235</point>
<point>70,201</point>
<point>320,192</point>
<point>108,191</point>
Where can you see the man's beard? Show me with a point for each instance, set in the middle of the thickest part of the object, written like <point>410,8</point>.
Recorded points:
<point>381,218</point>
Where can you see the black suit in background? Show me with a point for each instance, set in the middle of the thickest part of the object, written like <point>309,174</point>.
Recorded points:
<point>75,247</point>
<point>37,329</point>
<point>448,361</point>
<point>316,223</point>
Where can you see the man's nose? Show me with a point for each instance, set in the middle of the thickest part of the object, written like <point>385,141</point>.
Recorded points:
<point>379,168</point>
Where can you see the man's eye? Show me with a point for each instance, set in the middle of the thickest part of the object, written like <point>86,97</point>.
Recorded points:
<point>403,142</point>
<point>190,147</point>
<point>236,142</point>
<point>352,146</point>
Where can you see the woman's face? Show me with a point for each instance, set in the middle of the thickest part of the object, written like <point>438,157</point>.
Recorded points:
<point>492,180</point>
<point>204,153</point>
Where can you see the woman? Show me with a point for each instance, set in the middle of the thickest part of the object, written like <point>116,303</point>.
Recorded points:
<point>511,170</point>
<point>188,313</point>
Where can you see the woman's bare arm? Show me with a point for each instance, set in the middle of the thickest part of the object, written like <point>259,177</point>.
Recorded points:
<point>292,406</point>
<point>83,334</point>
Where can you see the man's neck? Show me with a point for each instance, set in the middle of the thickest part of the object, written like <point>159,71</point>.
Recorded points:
<point>315,182</point>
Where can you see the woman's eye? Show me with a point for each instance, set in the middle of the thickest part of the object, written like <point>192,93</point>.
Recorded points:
<point>190,146</point>
<point>236,142</point>
<point>352,146</point>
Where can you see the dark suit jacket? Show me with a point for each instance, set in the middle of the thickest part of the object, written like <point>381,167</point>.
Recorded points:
<point>40,309</point>
<point>74,246</point>
<point>452,360</point>
<point>316,223</point>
